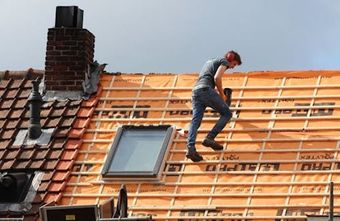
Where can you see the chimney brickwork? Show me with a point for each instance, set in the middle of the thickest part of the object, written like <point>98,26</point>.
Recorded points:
<point>69,52</point>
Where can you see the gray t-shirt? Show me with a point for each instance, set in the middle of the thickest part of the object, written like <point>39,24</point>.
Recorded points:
<point>206,76</point>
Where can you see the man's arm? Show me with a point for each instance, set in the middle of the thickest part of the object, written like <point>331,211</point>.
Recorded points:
<point>218,80</point>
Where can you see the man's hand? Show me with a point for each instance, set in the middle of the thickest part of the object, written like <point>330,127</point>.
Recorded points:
<point>218,80</point>
<point>224,98</point>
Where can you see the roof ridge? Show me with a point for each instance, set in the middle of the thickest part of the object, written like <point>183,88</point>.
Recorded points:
<point>28,74</point>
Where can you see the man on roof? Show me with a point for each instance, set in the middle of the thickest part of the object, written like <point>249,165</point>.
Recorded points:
<point>205,95</point>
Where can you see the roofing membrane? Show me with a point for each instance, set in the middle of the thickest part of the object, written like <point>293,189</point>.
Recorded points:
<point>280,148</point>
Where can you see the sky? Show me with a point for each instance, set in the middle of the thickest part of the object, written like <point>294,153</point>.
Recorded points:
<point>178,36</point>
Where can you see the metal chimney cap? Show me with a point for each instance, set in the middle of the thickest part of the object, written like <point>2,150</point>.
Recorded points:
<point>69,17</point>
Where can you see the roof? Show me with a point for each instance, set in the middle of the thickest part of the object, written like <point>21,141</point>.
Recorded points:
<point>281,147</point>
<point>65,119</point>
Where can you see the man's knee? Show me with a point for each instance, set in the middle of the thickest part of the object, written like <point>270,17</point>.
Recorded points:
<point>226,113</point>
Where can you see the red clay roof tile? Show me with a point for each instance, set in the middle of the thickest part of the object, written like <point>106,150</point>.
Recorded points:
<point>4,83</point>
<point>7,164</point>
<point>2,123</point>
<point>24,93</point>
<point>76,133</point>
<point>21,164</point>
<point>45,112</point>
<point>25,154</point>
<point>17,113</point>
<point>85,112</point>
<point>90,102</point>
<point>49,198</point>
<point>58,156</point>
<point>64,165</point>
<point>48,176</point>
<point>24,147</point>
<point>67,121</point>
<point>6,104</point>
<point>61,104</point>
<point>16,84</point>
<point>2,154</point>
<point>71,111</point>
<point>81,123</point>
<point>14,147</point>
<point>11,124</point>
<point>12,154</point>
<point>43,122</point>
<point>38,197</point>
<point>11,93</point>
<point>50,165</point>
<point>73,144</point>
<point>52,122</point>
<point>54,154</point>
<point>36,164</point>
<point>56,186</point>
<point>4,144</point>
<point>75,103</point>
<point>8,134</point>
<point>69,154</point>
<point>57,112</point>
<point>43,186</point>
<point>4,113</point>
<point>31,146</point>
<point>48,104</point>
<point>27,114</point>
<point>24,124</point>
<point>60,176</point>
<point>58,143</point>
<point>27,84</point>
<point>62,132</point>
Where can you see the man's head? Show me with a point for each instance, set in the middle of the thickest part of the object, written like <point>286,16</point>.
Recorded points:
<point>233,58</point>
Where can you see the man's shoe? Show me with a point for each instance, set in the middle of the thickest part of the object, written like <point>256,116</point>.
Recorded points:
<point>208,142</point>
<point>193,155</point>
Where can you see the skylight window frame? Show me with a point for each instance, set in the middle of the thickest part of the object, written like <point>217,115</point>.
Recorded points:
<point>139,175</point>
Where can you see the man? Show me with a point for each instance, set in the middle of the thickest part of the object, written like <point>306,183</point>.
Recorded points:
<point>204,95</point>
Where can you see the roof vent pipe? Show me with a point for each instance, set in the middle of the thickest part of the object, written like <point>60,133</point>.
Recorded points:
<point>35,99</point>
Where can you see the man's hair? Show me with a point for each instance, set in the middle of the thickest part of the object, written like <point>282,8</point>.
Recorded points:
<point>237,57</point>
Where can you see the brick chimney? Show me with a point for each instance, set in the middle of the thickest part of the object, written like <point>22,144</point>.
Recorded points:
<point>70,50</point>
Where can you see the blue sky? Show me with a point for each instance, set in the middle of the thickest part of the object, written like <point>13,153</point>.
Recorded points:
<point>178,36</point>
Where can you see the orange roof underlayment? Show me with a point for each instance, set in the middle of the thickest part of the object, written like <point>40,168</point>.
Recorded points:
<point>280,148</point>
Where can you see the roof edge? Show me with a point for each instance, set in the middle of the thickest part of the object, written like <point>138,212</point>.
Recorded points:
<point>29,74</point>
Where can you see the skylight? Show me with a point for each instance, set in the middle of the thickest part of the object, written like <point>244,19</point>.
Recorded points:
<point>138,151</point>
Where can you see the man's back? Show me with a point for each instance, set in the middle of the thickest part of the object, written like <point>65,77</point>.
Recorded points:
<point>206,76</point>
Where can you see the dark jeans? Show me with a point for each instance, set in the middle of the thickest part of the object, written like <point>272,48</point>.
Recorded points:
<point>201,99</point>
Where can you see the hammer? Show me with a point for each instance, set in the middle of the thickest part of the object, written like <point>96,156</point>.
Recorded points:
<point>228,92</point>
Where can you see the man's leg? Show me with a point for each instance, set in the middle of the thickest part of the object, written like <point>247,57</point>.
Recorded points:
<point>197,115</point>
<point>221,107</point>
